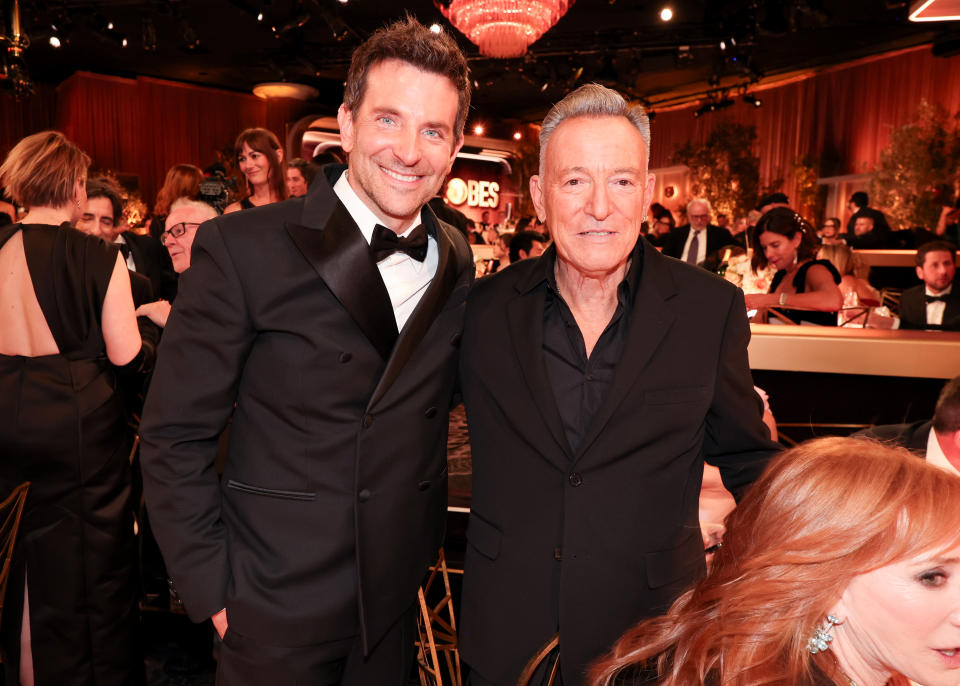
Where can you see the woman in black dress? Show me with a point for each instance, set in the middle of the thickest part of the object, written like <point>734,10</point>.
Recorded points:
<point>804,288</point>
<point>260,159</point>
<point>66,314</point>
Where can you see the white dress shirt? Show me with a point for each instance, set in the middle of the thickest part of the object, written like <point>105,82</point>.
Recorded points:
<point>935,454</point>
<point>701,245</point>
<point>405,278</point>
<point>935,309</point>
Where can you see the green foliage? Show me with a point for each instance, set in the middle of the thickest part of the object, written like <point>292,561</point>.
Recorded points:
<point>921,156</point>
<point>725,168</point>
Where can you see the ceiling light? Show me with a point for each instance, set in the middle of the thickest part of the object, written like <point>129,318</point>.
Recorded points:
<point>517,135</point>
<point>504,29</point>
<point>934,10</point>
<point>752,100</point>
<point>283,89</point>
<point>109,26</point>
<point>666,14</point>
<point>723,45</point>
<point>260,16</point>
<point>478,129</point>
<point>55,41</point>
<point>436,28</point>
<point>124,42</point>
<point>344,2</point>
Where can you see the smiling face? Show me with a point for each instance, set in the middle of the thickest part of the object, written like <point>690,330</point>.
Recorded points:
<point>401,140</point>
<point>296,184</point>
<point>254,165</point>
<point>904,617</point>
<point>780,250</point>
<point>594,192</point>
<point>97,219</point>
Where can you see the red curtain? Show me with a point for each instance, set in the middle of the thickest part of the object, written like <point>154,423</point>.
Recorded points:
<point>842,115</point>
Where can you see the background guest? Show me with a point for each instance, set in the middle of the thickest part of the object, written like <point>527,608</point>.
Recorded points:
<point>789,243</point>
<point>770,200</point>
<point>8,213</point>
<point>300,175</point>
<point>661,228</point>
<point>526,244</point>
<point>859,205</point>
<point>181,181</point>
<point>853,275</point>
<point>830,232</point>
<point>260,160</point>
<point>948,223</point>
<point>840,566</point>
<point>692,242</point>
<point>64,430</point>
<point>934,304</point>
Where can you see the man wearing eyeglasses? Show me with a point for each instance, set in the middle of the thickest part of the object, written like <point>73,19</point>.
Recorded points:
<point>694,241</point>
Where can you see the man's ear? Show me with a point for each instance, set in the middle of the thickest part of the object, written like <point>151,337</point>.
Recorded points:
<point>347,134</point>
<point>536,194</point>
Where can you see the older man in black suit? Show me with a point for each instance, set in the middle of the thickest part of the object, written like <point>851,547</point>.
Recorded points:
<point>694,241</point>
<point>597,378</point>
<point>328,327</point>
<point>935,303</point>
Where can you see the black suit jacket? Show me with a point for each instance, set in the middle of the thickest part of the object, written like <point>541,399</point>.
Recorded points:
<point>717,237</point>
<point>913,309</point>
<point>153,261</point>
<point>913,436</point>
<point>593,542</point>
<point>333,497</point>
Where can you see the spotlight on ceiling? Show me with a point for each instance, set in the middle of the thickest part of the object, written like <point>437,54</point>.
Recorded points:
<point>478,129</point>
<point>752,100</point>
<point>260,16</point>
<point>344,2</point>
<point>517,135</point>
<point>666,14</point>
<point>436,28</point>
<point>723,45</point>
<point>55,41</point>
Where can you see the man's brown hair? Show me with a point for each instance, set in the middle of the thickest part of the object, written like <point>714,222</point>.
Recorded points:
<point>410,41</point>
<point>43,169</point>
<point>934,246</point>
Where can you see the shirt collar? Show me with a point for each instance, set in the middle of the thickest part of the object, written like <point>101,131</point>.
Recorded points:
<point>945,291</point>
<point>544,272</point>
<point>364,217</point>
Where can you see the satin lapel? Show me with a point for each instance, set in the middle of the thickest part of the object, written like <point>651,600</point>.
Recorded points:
<point>341,256</point>
<point>525,323</point>
<point>650,320</point>
<point>427,309</point>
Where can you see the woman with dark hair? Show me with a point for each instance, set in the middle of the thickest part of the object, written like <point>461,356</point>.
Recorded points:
<point>804,288</point>
<point>260,159</point>
<point>840,566</point>
<point>182,181</point>
<point>66,313</point>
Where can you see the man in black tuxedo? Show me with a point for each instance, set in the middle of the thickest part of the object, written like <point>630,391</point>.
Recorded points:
<point>328,326</point>
<point>934,304</point>
<point>936,440</point>
<point>597,378</point>
<point>693,242</point>
<point>145,255</point>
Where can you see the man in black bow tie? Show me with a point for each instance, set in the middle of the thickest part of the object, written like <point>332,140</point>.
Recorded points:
<point>331,322</point>
<point>934,304</point>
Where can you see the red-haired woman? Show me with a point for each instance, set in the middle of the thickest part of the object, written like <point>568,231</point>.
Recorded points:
<point>840,566</point>
<point>260,159</point>
<point>182,181</point>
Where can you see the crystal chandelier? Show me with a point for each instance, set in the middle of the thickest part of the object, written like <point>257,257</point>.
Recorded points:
<point>504,28</point>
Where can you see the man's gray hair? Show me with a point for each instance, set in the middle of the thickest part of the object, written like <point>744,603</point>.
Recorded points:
<point>593,100</point>
<point>699,201</point>
<point>208,211</point>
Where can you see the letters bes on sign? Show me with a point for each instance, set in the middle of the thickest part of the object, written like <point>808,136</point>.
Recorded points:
<point>475,193</point>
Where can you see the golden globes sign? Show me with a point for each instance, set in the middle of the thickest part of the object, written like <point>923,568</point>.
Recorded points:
<point>484,194</point>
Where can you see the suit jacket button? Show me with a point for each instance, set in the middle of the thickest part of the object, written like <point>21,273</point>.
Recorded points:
<point>575,479</point>
<point>423,485</point>
<point>431,412</point>
<point>363,496</point>
<point>367,421</point>
<point>345,357</point>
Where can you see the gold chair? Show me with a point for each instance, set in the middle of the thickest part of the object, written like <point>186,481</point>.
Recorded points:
<point>437,629</point>
<point>11,511</point>
<point>540,657</point>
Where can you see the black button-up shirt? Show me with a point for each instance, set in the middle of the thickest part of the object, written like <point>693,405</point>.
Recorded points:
<point>580,383</point>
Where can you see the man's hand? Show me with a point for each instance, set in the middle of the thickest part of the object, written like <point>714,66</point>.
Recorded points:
<point>220,622</point>
<point>157,311</point>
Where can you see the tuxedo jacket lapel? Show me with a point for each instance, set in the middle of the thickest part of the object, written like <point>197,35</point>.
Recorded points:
<point>430,305</point>
<point>335,247</point>
<point>650,320</point>
<point>525,323</point>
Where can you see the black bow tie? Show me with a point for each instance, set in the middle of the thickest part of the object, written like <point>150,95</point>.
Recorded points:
<point>385,242</point>
<point>935,298</point>
<point>125,249</point>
